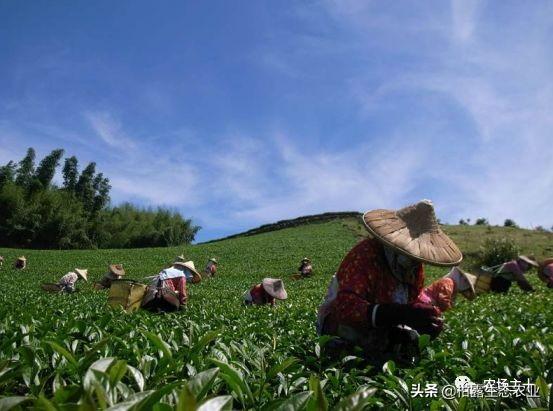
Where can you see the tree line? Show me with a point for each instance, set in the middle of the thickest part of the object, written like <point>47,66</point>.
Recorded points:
<point>37,213</point>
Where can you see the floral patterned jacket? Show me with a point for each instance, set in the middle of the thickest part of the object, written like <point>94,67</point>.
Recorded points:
<point>364,278</point>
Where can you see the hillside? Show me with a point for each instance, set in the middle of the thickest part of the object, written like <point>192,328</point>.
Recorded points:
<point>493,337</point>
<point>468,237</point>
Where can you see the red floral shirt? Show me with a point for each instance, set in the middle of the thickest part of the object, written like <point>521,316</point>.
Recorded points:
<point>260,296</point>
<point>364,278</point>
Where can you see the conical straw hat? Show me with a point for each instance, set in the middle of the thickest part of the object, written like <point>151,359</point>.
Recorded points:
<point>275,288</point>
<point>83,273</point>
<point>528,260</point>
<point>196,277</point>
<point>414,231</point>
<point>116,269</point>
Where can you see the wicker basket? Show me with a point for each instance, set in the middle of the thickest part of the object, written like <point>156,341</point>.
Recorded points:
<point>483,283</point>
<point>126,294</point>
<point>51,287</point>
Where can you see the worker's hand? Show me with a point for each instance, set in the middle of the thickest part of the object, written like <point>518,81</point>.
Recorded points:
<point>424,318</point>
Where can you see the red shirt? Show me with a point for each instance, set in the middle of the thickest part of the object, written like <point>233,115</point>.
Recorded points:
<point>178,284</point>
<point>364,278</point>
<point>260,296</point>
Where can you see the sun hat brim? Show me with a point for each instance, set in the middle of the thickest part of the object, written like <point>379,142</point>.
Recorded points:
<point>82,273</point>
<point>116,271</point>
<point>267,285</point>
<point>528,260</point>
<point>196,277</point>
<point>430,247</point>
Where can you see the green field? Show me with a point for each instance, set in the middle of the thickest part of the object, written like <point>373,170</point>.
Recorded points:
<point>225,356</point>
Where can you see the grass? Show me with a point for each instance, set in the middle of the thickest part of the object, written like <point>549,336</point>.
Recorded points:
<point>73,351</point>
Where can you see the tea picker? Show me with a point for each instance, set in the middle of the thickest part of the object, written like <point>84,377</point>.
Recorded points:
<point>211,267</point>
<point>502,276</point>
<point>545,272</point>
<point>306,268</point>
<point>167,291</point>
<point>115,272</point>
<point>377,301</point>
<point>68,282</point>
<point>20,263</point>
<point>269,290</point>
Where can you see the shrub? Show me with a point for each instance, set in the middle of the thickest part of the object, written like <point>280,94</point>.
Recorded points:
<point>510,223</point>
<point>463,222</point>
<point>495,252</point>
<point>481,221</point>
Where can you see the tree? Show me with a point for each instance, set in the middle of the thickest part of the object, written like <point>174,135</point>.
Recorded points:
<point>47,168</point>
<point>36,213</point>
<point>7,173</point>
<point>26,169</point>
<point>85,187</point>
<point>70,173</point>
<point>101,187</point>
<point>510,223</point>
<point>462,222</point>
<point>481,221</point>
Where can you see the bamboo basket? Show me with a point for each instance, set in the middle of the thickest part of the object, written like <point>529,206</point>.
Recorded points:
<point>126,294</point>
<point>483,283</point>
<point>51,287</point>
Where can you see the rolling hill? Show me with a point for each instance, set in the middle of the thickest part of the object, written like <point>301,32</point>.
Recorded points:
<point>48,343</point>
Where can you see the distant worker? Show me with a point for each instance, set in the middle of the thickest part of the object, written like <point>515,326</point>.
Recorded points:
<point>1,261</point>
<point>211,267</point>
<point>545,272</point>
<point>266,292</point>
<point>443,292</point>
<point>20,263</point>
<point>115,272</point>
<point>374,300</point>
<point>305,269</point>
<point>168,289</point>
<point>68,282</point>
<point>504,274</point>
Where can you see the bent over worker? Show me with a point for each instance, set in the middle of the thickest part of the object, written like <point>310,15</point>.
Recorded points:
<point>374,300</point>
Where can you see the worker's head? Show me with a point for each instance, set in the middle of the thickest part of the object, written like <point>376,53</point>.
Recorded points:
<point>526,263</point>
<point>415,233</point>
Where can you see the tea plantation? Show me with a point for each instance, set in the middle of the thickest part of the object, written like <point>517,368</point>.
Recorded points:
<point>71,352</point>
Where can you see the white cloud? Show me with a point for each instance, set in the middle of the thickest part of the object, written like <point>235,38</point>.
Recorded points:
<point>501,82</point>
<point>464,16</point>
<point>109,129</point>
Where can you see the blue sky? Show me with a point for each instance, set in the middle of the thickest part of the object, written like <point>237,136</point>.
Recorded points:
<point>242,113</point>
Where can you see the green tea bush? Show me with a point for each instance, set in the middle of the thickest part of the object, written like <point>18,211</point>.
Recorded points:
<point>71,352</point>
<point>495,251</point>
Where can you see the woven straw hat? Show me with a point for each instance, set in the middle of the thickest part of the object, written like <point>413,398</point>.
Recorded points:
<point>116,269</point>
<point>22,258</point>
<point>306,260</point>
<point>471,279</point>
<point>213,260</point>
<point>275,288</point>
<point>528,260</point>
<point>180,258</point>
<point>414,231</point>
<point>83,273</point>
<point>196,277</point>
